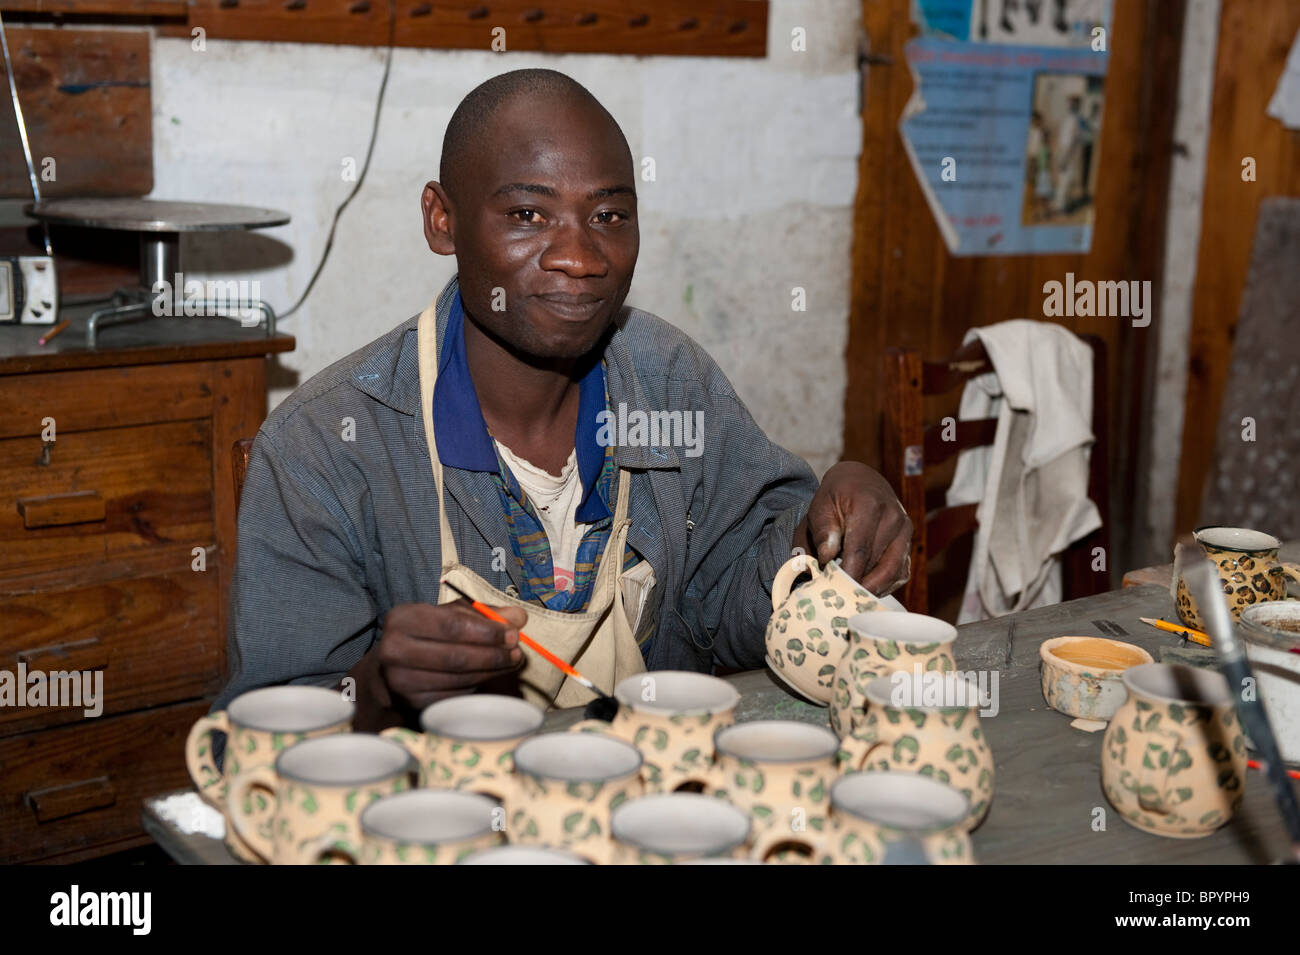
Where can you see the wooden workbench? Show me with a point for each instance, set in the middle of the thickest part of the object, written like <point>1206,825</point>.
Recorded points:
<point>1047,786</point>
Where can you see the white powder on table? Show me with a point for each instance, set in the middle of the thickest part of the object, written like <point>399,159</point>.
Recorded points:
<point>190,814</point>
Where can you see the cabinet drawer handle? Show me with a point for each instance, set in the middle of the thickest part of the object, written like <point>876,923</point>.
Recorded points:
<point>57,510</point>
<point>59,801</point>
<point>79,655</point>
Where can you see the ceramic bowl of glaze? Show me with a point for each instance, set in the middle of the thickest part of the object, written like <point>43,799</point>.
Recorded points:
<point>1081,675</point>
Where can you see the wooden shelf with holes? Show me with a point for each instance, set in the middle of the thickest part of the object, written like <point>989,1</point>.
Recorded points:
<point>639,27</point>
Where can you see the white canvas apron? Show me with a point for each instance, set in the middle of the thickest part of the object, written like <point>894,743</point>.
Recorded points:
<point>599,641</point>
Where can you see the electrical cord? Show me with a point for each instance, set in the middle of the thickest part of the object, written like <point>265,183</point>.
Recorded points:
<point>365,167</point>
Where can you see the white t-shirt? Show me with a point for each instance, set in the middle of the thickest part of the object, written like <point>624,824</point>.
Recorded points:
<point>556,500</point>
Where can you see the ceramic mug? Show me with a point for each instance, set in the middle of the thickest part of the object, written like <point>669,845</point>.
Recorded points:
<point>926,723</point>
<point>418,827</point>
<point>469,741</point>
<point>671,717</point>
<point>523,855</point>
<point>809,626</point>
<point>258,725</point>
<point>880,643</point>
<point>897,819</point>
<point>780,772</point>
<point>319,788</point>
<point>1248,566</point>
<point>564,788</point>
<point>670,828</point>
<point>1173,759</point>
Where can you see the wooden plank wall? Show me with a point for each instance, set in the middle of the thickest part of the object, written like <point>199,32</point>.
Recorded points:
<point>1255,37</point>
<point>908,291</point>
<point>86,100</point>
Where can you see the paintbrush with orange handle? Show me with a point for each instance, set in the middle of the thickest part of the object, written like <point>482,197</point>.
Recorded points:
<point>596,708</point>
<point>1255,764</point>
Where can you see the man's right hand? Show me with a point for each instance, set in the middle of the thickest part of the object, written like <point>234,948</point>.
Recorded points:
<point>427,653</point>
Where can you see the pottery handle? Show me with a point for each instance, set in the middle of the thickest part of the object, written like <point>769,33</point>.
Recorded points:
<point>779,837</point>
<point>1291,570</point>
<point>245,826</point>
<point>855,750</point>
<point>789,572</point>
<point>857,703</point>
<point>314,851</point>
<point>413,743</point>
<point>198,753</point>
<point>1155,778</point>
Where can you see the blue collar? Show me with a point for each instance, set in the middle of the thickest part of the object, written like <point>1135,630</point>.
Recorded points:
<point>462,435</point>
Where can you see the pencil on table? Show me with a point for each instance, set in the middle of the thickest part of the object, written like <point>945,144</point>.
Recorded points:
<point>1194,635</point>
<point>44,339</point>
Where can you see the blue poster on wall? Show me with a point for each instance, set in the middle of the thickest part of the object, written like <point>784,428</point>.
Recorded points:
<point>1004,126</point>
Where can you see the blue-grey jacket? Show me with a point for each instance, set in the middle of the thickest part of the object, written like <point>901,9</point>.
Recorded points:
<point>335,532</point>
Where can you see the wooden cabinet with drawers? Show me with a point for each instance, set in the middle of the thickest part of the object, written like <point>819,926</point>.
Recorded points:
<point>117,540</point>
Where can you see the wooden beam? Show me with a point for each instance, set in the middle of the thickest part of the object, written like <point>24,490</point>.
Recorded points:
<point>637,27</point>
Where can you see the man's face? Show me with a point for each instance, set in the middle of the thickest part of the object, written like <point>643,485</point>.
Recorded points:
<point>545,212</point>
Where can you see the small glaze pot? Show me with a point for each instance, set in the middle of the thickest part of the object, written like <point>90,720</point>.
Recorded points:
<point>897,819</point>
<point>880,643</point>
<point>1081,675</point>
<point>1173,759</point>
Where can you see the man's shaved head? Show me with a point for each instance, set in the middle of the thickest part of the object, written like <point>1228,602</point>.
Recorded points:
<point>472,117</point>
<point>537,201</point>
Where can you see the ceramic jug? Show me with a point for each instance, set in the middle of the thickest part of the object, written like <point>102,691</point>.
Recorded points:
<point>927,723</point>
<point>1248,566</point>
<point>880,643</point>
<point>780,772</point>
<point>418,827</point>
<point>897,819</point>
<point>318,789</point>
<point>809,628</point>
<point>258,725</point>
<point>1173,758</point>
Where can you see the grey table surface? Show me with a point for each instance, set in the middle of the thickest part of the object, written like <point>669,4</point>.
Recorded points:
<point>1047,788</point>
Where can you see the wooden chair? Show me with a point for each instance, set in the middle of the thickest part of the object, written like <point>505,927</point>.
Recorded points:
<point>239,464</point>
<point>910,448</point>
